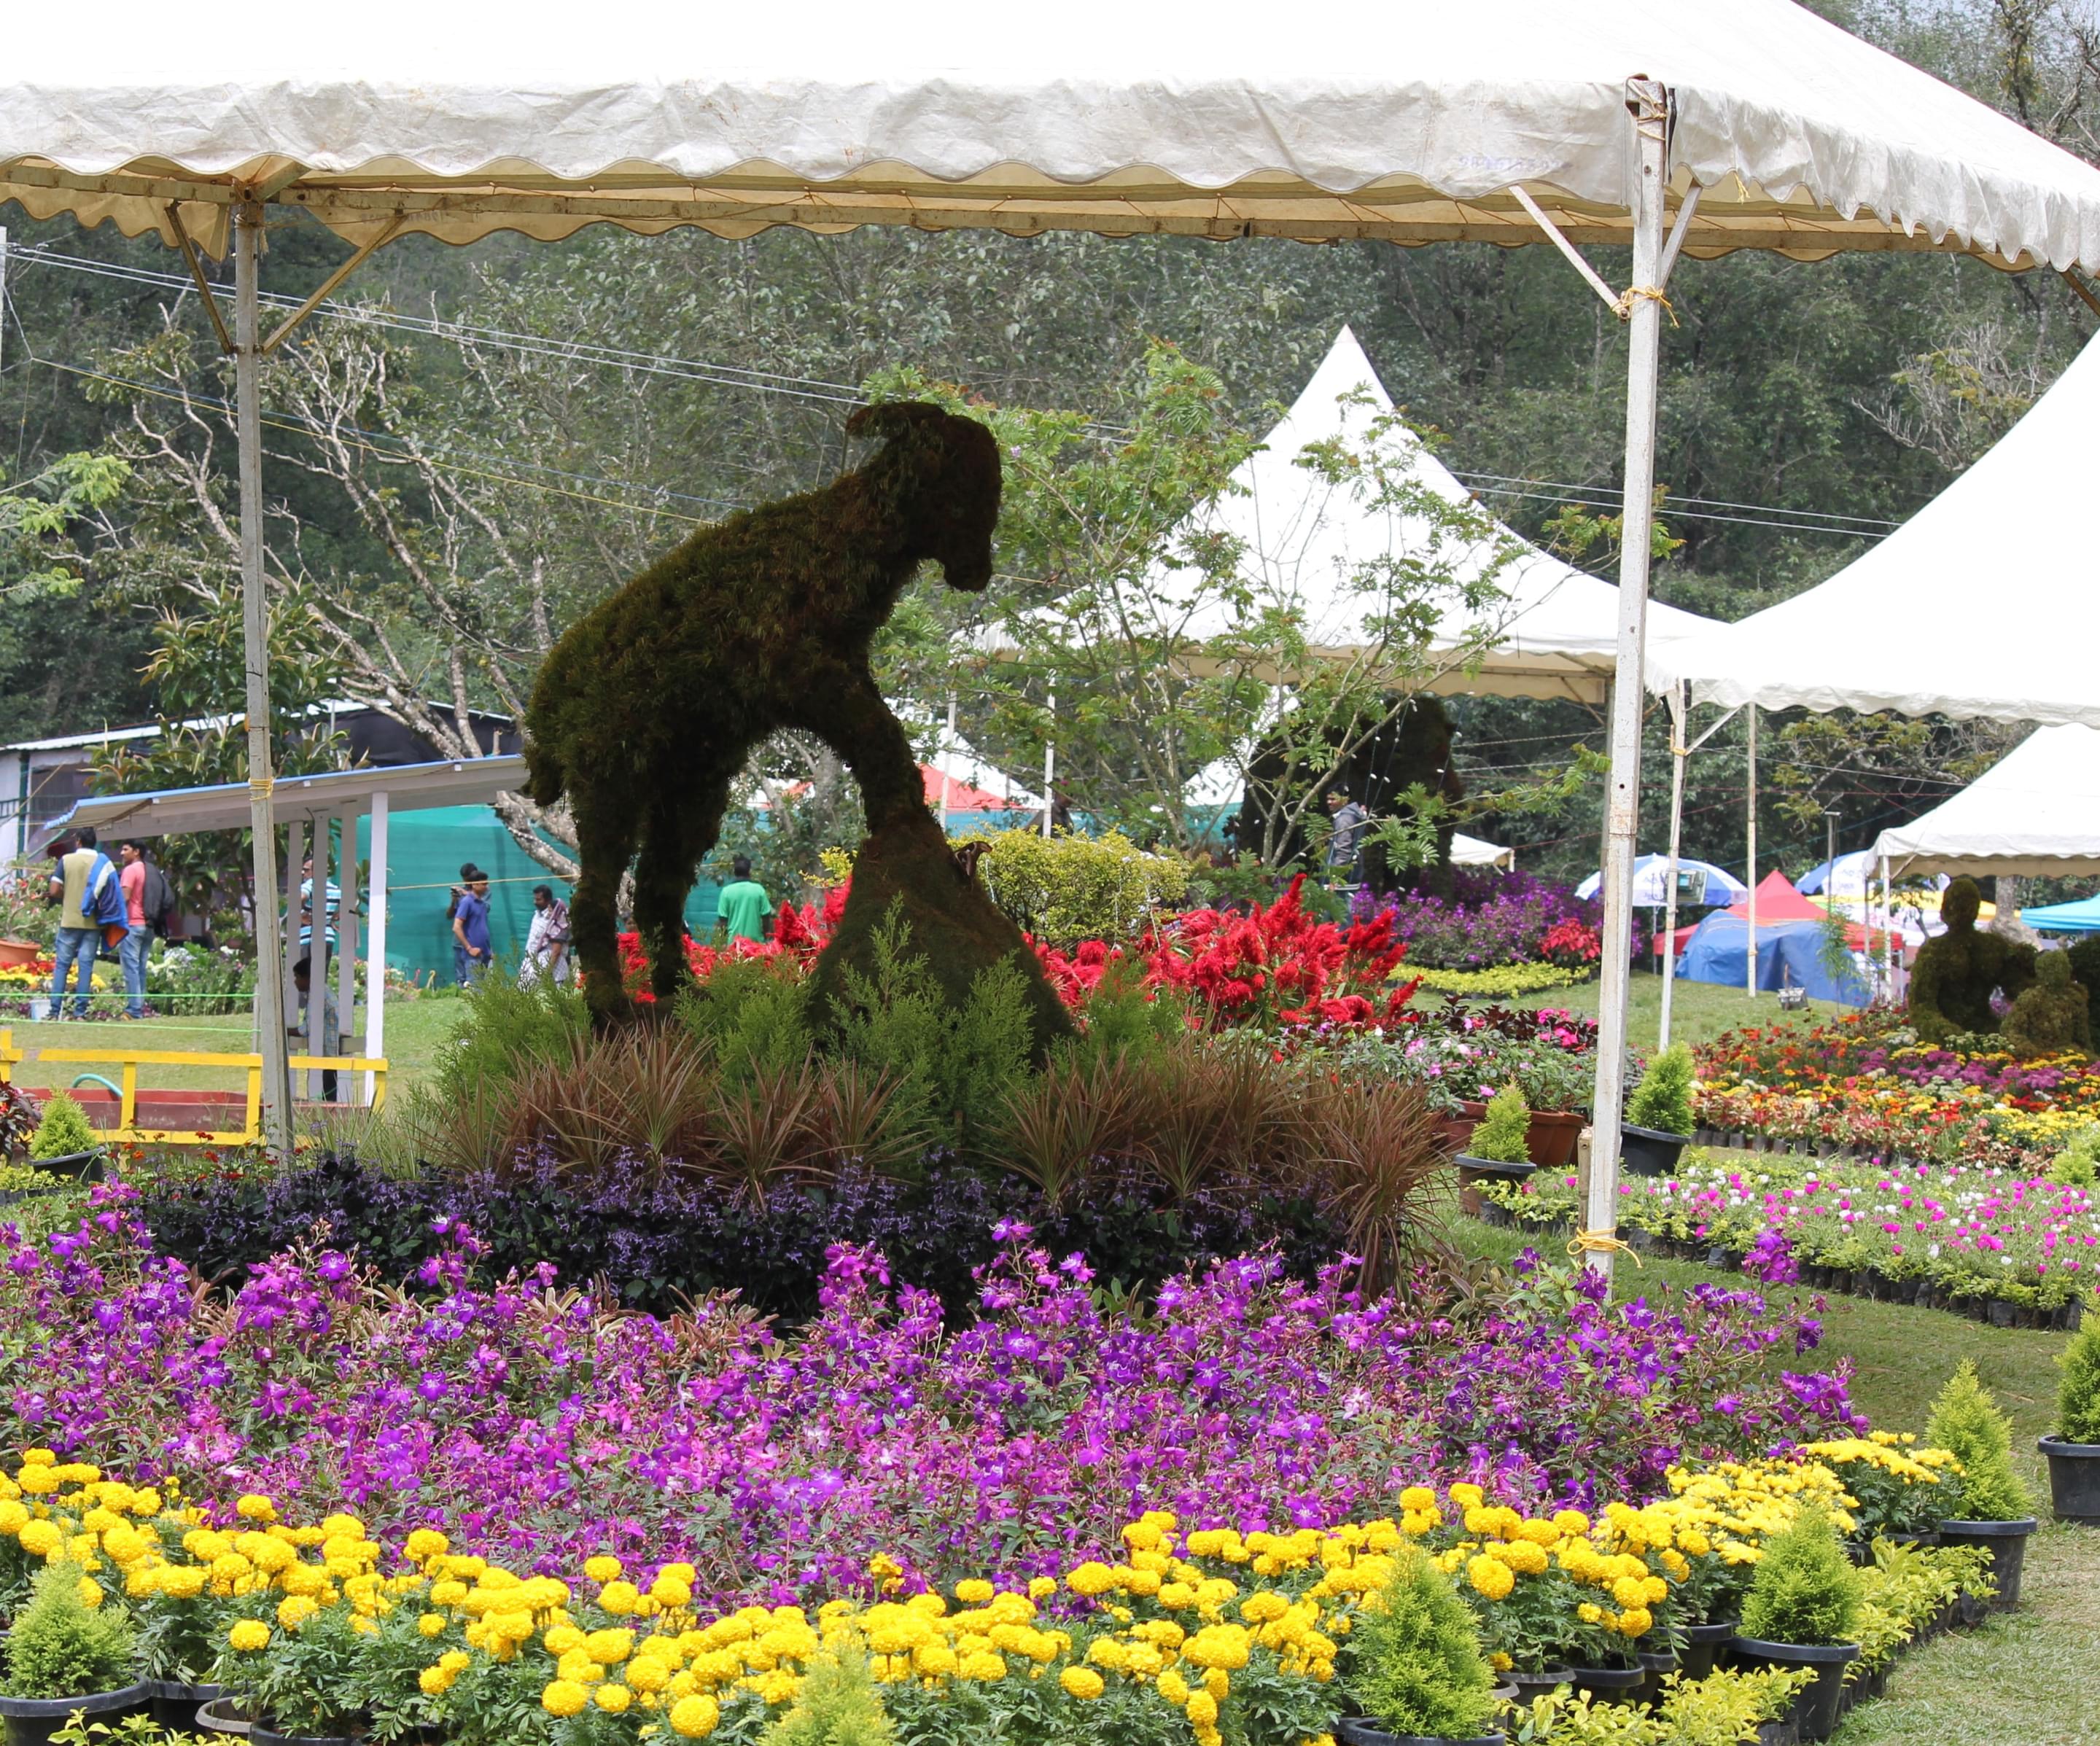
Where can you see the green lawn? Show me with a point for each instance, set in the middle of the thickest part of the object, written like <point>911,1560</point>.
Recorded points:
<point>1699,1012</point>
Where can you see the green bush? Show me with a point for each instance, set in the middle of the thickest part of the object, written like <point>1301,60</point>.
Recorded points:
<point>1063,889</point>
<point>2078,1395</point>
<point>63,1130</point>
<point>1806,1590</point>
<point>2077,1166</point>
<point>1415,1656</point>
<point>836,1705</point>
<point>506,1031</point>
<point>753,1018</point>
<point>1966,1422</point>
<point>63,1647</point>
<point>1664,1100</point>
<point>1502,981</point>
<point>1501,1136</point>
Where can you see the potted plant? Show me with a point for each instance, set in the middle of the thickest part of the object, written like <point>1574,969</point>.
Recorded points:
<point>1993,1506</point>
<point>302,1674</point>
<point>2074,1451</point>
<point>1415,1664</point>
<point>64,1142</point>
<point>68,1655</point>
<point>1803,1609</point>
<point>177,1621</point>
<point>1498,1148</point>
<point>1658,1124</point>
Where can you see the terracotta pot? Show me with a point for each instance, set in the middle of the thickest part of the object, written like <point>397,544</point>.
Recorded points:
<point>1550,1139</point>
<point>19,955</point>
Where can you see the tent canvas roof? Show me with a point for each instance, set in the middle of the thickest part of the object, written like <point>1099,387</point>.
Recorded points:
<point>1777,901</point>
<point>2034,813</point>
<point>336,794</point>
<point>1304,538</point>
<point>470,118</point>
<point>1945,615</point>
<point>2081,917</point>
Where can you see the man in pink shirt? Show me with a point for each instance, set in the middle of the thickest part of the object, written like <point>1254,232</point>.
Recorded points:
<point>131,859</point>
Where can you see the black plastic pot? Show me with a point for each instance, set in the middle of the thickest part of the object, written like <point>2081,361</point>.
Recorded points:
<point>1702,1644</point>
<point>2007,1544</point>
<point>2074,1480</point>
<point>1495,1167</point>
<point>75,1166</point>
<point>258,1734</point>
<point>223,1715</point>
<point>1609,1685</point>
<point>31,1721</point>
<point>1648,1151</point>
<point>1815,1710</point>
<point>175,1704</point>
<point>1357,1732</point>
<point>1655,1669</point>
<point>1541,1684</point>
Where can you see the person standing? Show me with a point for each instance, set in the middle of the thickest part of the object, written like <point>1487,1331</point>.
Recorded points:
<point>743,912</point>
<point>302,980</point>
<point>469,872</point>
<point>77,888</point>
<point>138,929</point>
<point>470,926</point>
<point>547,941</point>
<point>1345,846</point>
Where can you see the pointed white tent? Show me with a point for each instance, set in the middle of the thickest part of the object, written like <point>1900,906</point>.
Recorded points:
<point>2035,813</point>
<point>1980,605</point>
<point>1304,540</point>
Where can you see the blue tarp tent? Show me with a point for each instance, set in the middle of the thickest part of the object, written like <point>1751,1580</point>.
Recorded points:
<point>2081,917</point>
<point>1788,953</point>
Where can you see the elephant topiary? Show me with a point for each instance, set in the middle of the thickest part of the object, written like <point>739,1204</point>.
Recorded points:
<point>648,708</point>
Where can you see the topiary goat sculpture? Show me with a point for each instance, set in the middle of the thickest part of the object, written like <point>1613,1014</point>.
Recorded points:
<point>648,708</point>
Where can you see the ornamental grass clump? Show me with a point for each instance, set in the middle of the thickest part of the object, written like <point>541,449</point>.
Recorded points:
<point>63,1131</point>
<point>2078,1393</point>
<point>1500,1138</point>
<point>1806,1592</point>
<point>66,1642</point>
<point>1415,1650</point>
<point>1663,1100</point>
<point>1966,1422</point>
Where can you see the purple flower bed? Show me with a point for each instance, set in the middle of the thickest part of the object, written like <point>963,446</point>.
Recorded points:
<point>530,1420</point>
<point>1490,919</point>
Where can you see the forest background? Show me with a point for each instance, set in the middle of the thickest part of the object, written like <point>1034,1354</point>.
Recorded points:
<point>474,445</point>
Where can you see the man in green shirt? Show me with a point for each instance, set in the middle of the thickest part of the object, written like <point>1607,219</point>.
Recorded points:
<point>745,912</point>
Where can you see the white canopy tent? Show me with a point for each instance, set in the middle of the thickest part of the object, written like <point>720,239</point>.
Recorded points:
<point>2035,813</point>
<point>1710,124</point>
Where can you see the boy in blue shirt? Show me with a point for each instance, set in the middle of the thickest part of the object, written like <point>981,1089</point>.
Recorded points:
<point>470,927</point>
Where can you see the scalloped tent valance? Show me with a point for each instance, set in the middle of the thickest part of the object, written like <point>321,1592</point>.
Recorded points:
<point>1409,122</point>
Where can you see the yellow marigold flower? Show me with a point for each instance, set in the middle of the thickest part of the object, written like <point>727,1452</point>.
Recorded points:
<point>1082,1682</point>
<point>1490,1576</point>
<point>1467,1497</point>
<point>985,1665</point>
<point>1630,1591</point>
<point>668,1591</point>
<point>694,1716</point>
<point>645,1673</point>
<point>90,1593</point>
<point>563,1697</point>
<point>425,1543</point>
<point>40,1539</point>
<point>435,1681</point>
<point>294,1610</point>
<point>1173,1687</point>
<point>1202,1710</point>
<point>613,1699</point>
<point>973,1591</point>
<point>1634,1620</point>
<point>248,1635</point>
<point>602,1568</point>
<point>38,1479</point>
<point>432,1624</point>
<point>618,1598</point>
<point>255,1507</point>
<point>609,1648</point>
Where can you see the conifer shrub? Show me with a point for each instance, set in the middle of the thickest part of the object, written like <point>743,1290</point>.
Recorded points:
<point>67,1642</point>
<point>1966,1422</point>
<point>1806,1590</point>
<point>62,1131</point>
<point>1415,1652</point>
<point>1663,1100</point>
<point>837,1704</point>
<point>1501,1136</point>
<point>2078,1393</point>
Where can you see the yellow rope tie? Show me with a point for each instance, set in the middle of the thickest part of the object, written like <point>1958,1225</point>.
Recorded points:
<point>260,787</point>
<point>1601,1243</point>
<point>1626,299</point>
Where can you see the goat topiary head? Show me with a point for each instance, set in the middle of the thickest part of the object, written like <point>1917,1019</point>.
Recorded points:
<point>944,472</point>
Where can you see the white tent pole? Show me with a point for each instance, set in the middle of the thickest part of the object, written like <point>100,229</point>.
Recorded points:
<point>1680,755</point>
<point>1750,802</point>
<point>1649,103</point>
<point>295,852</point>
<point>1050,767</point>
<point>947,752</point>
<point>276,1109</point>
<point>1888,945</point>
<point>375,950</point>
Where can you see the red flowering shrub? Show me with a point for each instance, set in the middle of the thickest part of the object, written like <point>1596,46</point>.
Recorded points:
<point>1572,945</point>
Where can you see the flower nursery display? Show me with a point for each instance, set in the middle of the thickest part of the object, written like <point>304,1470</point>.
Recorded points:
<point>1864,1082</point>
<point>1976,1237</point>
<point>1492,920</point>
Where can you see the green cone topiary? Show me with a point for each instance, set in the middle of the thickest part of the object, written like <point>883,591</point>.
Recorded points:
<point>62,1131</point>
<point>1502,1135</point>
<point>1415,1656</point>
<point>1805,1591</point>
<point>1966,1422</point>
<point>2078,1395</point>
<point>62,1645</point>
<point>1664,1100</point>
<point>838,1705</point>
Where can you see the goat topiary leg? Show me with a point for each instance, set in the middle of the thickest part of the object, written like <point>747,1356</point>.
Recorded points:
<point>847,712</point>
<point>683,827</point>
<point>605,838</point>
